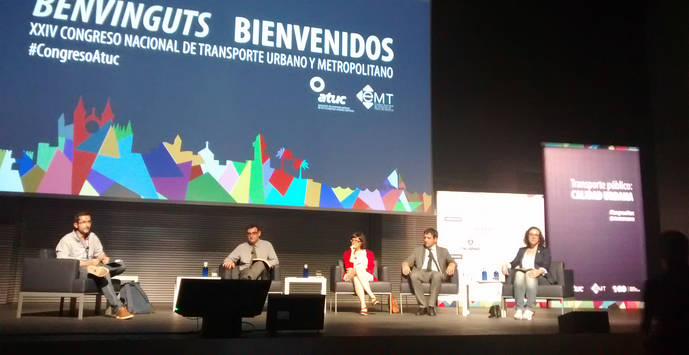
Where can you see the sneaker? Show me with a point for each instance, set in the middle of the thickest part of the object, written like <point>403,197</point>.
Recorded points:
<point>518,314</point>
<point>99,271</point>
<point>123,313</point>
<point>528,314</point>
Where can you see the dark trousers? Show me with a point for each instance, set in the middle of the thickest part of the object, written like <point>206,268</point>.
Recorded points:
<point>434,277</point>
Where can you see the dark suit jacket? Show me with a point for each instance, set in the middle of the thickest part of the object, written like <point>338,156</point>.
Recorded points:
<point>542,260</point>
<point>415,260</point>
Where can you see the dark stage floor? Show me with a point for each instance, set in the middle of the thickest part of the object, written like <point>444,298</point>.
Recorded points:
<point>42,328</point>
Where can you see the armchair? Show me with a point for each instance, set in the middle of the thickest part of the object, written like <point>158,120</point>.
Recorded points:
<point>276,285</point>
<point>563,288</point>
<point>340,287</point>
<point>47,276</point>
<point>449,287</point>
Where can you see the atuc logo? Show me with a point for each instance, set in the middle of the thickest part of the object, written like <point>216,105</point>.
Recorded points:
<point>317,84</point>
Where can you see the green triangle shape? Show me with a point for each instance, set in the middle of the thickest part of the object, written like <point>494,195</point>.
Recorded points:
<point>239,166</point>
<point>205,188</point>
<point>399,206</point>
<point>414,205</point>
<point>2,155</point>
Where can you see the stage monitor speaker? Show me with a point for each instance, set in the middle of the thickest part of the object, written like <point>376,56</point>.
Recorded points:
<point>295,312</point>
<point>584,322</point>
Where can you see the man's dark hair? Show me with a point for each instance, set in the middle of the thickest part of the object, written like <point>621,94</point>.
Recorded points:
<point>361,237</point>
<point>253,226</point>
<point>80,214</point>
<point>432,232</point>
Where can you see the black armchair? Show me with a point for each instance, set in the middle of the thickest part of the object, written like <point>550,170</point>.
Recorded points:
<point>47,276</point>
<point>276,285</point>
<point>339,287</point>
<point>449,287</point>
<point>561,289</point>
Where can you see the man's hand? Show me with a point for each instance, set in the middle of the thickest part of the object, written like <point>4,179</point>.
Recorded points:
<point>229,265</point>
<point>92,262</point>
<point>105,259</point>
<point>450,269</point>
<point>405,268</point>
<point>505,270</point>
<point>534,273</point>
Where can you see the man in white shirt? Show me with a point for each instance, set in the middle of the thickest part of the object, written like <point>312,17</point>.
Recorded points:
<point>254,257</point>
<point>428,263</point>
<point>83,245</point>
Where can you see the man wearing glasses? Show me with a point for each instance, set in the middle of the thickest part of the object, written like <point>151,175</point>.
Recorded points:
<point>253,257</point>
<point>83,245</point>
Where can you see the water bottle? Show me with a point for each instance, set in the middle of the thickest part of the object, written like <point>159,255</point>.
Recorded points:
<point>306,270</point>
<point>205,269</point>
<point>496,275</point>
<point>484,275</point>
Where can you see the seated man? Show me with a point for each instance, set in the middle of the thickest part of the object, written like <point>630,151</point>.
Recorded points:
<point>428,263</point>
<point>85,246</point>
<point>254,257</point>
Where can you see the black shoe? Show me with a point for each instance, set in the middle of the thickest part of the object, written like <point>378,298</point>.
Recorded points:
<point>421,311</point>
<point>431,311</point>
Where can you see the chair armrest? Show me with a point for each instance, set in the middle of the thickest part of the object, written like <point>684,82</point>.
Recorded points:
<point>275,272</point>
<point>50,275</point>
<point>335,276</point>
<point>455,278</point>
<point>569,283</point>
<point>384,276</point>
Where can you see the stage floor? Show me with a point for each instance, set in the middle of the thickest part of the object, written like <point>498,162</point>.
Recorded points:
<point>41,326</point>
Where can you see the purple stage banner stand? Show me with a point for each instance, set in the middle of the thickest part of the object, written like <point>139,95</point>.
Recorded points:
<point>595,220</point>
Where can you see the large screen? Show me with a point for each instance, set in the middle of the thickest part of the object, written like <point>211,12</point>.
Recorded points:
<point>595,218</point>
<point>311,104</point>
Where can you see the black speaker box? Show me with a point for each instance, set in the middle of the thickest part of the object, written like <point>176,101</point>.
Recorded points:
<point>295,312</point>
<point>584,322</point>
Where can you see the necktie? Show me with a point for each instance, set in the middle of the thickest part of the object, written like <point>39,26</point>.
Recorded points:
<point>431,259</point>
<point>253,252</point>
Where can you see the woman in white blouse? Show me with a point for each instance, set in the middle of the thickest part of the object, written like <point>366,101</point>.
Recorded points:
<point>529,269</point>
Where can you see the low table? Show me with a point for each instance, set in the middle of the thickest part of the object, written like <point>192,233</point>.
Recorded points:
<point>179,280</point>
<point>307,280</point>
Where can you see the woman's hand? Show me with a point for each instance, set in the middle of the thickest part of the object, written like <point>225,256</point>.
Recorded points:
<point>505,270</point>
<point>534,273</point>
<point>351,272</point>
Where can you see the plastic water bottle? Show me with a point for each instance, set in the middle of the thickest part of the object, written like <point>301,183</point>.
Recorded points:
<point>496,275</point>
<point>205,269</point>
<point>306,270</point>
<point>484,275</point>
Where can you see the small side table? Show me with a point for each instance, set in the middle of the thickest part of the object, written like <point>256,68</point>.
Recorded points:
<point>179,280</point>
<point>307,280</point>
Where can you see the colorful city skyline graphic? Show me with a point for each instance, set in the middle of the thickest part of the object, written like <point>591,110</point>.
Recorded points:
<point>94,157</point>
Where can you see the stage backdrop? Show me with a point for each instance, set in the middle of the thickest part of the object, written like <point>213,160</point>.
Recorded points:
<point>595,220</point>
<point>305,104</point>
<point>486,230</point>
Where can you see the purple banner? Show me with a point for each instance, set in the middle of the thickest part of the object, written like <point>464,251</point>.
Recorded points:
<point>595,220</point>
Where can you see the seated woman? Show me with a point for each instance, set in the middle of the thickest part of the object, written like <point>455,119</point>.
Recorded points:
<point>359,263</point>
<point>530,269</point>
